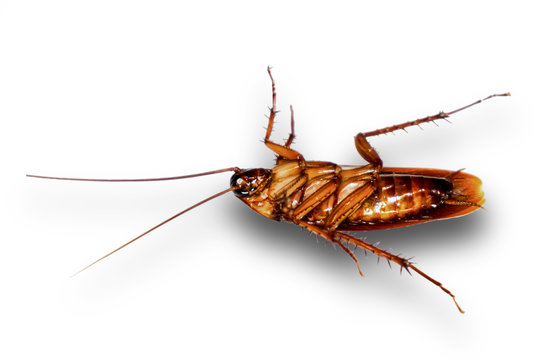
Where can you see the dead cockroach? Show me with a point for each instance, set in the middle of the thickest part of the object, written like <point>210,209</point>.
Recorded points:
<point>328,199</point>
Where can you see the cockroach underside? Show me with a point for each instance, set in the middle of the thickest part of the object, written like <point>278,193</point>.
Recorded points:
<point>328,199</point>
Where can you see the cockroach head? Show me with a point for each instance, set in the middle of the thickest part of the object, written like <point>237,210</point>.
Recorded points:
<point>249,181</point>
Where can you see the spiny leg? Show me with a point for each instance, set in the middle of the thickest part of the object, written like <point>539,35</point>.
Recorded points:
<point>439,116</point>
<point>291,137</point>
<point>351,254</point>
<point>283,151</point>
<point>370,155</point>
<point>330,237</point>
<point>273,113</point>
<point>289,141</point>
<point>367,151</point>
<point>273,110</point>
<point>402,262</point>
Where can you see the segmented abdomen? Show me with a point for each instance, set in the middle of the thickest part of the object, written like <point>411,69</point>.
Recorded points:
<point>401,196</point>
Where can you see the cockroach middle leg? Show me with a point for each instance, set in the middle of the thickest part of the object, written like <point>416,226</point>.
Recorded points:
<point>402,262</point>
<point>367,151</point>
<point>441,115</point>
<point>330,237</point>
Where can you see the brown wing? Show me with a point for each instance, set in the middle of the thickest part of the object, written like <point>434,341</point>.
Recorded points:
<point>466,185</point>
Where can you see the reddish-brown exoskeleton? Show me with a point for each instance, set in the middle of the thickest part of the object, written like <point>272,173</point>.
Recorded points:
<point>328,199</point>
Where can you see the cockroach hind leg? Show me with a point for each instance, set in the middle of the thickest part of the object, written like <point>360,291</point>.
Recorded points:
<point>406,266</point>
<point>440,116</point>
<point>439,284</point>
<point>404,263</point>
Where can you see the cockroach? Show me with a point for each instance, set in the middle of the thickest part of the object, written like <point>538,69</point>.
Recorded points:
<point>328,199</point>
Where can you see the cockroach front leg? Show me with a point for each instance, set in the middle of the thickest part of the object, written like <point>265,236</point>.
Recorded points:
<point>291,137</point>
<point>283,151</point>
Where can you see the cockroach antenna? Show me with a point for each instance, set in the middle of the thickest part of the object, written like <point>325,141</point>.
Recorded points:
<point>233,188</point>
<point>235,169</point>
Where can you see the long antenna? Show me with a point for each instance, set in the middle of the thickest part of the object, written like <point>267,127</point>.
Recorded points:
<point>158,225</point>
<point>235,169</point>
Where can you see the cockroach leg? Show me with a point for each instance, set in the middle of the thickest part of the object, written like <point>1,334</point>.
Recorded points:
<point>442,115</point>
<point>289,141</point>
<point>291,137</point>
<point>438,283</point>
<point>370,155</point>
<point>404,263</point>
<point>283,151</point>
<point>367,151</point>
<point>351,254</point>
<point>273,110</point>
<point>331,238</point>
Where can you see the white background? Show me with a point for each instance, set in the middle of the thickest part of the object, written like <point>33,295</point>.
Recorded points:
<point>159,88</point>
